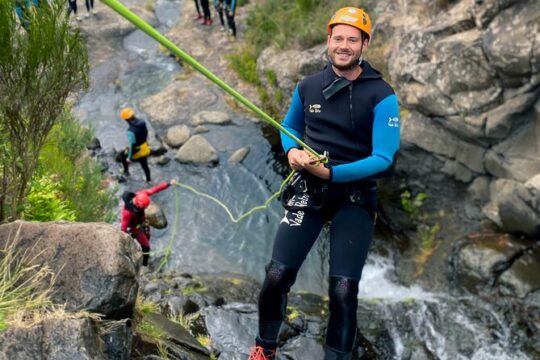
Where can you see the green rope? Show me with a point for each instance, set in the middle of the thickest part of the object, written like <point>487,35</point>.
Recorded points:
<point>156,35</point>
<point>168,249</point>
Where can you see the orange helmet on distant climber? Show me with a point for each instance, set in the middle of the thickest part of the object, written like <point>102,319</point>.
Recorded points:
<point>141,200</point>
<point>352,16</point>
<point>127,113</point>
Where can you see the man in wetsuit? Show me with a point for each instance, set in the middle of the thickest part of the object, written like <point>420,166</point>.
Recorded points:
<point>134,219</point>
<point>138,149</point>
<point>348,110</point>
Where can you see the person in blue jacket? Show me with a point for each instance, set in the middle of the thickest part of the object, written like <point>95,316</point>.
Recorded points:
<point>138,149</point>
<point>350,112</point>
<point>23,9</point>
<point>229,8</point>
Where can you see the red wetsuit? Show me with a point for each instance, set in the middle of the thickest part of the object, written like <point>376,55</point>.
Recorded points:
<point>133,218</point>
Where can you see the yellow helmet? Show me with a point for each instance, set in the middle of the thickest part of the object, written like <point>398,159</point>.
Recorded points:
<point>127,113</point>
<point>352,16</point>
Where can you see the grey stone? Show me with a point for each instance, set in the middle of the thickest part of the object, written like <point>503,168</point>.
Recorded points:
<point>518,156</point>
<point>201,129</point>
<point>239,155</point>
<point>479,189</point>
<point>501,120</point>
<point>518,206</point>
<point>303,348</point>
<point>59,339</point>
<point>211,117</point>
<point>197,150</point>
<point>96,265</point>
<point>511,46</point>
<point>177,135</point>
<point>522,277</point>
<point>458,171</point>
<point>156,216</point>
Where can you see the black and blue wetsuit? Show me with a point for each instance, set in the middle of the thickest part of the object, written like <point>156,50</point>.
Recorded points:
<point>137,136</point>
<point>229,7</point>
<point>357,122</point>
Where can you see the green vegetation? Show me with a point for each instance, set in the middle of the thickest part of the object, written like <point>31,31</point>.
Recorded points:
<point>411,204</point>
<point>427,230</point>
<point>298,24</point>
<point>291,24</point>
<point>39,68</point>
<point>67,184</point>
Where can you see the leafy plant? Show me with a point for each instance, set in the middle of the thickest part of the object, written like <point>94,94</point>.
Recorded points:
<point>39,68</point>
<point>411,204</point>
<point>45,202</point>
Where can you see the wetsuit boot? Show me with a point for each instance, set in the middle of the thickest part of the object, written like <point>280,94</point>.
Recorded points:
<point>333,354</point>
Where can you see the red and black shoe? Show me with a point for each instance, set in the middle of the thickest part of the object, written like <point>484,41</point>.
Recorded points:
<point>259,353</point>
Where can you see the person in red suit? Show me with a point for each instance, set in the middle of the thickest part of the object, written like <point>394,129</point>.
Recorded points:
<point>133,216</point>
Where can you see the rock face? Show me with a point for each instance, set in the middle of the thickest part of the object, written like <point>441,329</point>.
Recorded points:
<point>96,265</point>
<point>470,82</point>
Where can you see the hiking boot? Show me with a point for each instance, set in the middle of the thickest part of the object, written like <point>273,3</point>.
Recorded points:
<point>259,353</point>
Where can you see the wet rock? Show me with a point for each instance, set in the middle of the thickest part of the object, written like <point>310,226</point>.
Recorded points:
<point>197,150</point>
<point>233,327</point>
<point>239,155</point>
<point>94,144</point>
<point>163,160</point>
<point>177,136</point>
<point>167,107</point>
<point>118,340</point>
<point>522,277</point>
<point>201,129</point>
<point>156,216</point>
<point>52,339</point>
<point>95,264</point>
<point>211,117</point>
<point>303,348</point>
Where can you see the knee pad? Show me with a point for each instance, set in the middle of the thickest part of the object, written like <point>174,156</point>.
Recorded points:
<point>273,298</point>
<point>280,277</point>
<point>341,331</point>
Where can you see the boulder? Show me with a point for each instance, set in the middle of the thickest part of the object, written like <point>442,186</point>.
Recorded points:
<point>197,150</point>
<point>518,206</point>
<point>518,156</point>
<point>177,136</point>
<point>239,155</point>
<point>156,216</point>
<point>96,265</point>
<point>211,117</point>
<point>175,104</point>
<point>511,47</point>
<point>289,66</point>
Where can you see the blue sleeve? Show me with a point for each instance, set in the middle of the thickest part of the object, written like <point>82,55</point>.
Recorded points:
<point>215,3</point>
<point>385,140</point>
<point>131,139</point>
<point>233,5</point>
<point>293,122</point>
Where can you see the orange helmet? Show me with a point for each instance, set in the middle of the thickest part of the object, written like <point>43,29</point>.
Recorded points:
<point>141,200</point>
<point>352,16</point>
<point>127,113</point>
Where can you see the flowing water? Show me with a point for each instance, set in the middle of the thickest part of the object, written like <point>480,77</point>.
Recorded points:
<point>205,241</point>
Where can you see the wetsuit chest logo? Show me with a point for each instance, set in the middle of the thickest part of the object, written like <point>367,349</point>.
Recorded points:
<point>314,108</point>
<point>393,121</point>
